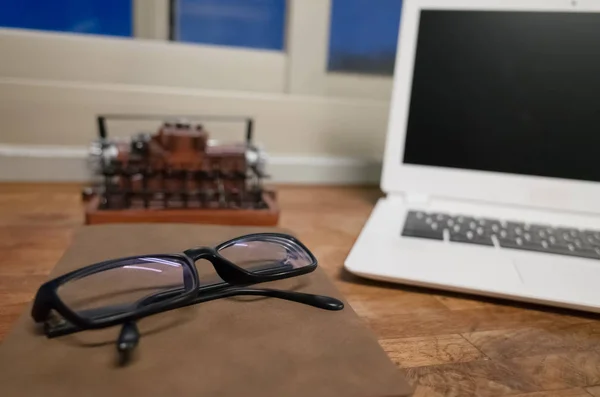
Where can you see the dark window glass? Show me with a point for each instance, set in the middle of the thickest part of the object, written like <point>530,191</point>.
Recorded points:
<point>363,36</point>
<point>103,17</point>
<point>238,23</point>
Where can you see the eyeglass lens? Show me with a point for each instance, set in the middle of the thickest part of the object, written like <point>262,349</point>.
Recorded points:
<point>125,286</point>
<point>266,254</point>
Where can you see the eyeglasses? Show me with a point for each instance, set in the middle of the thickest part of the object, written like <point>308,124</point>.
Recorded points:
<point>124,290</point>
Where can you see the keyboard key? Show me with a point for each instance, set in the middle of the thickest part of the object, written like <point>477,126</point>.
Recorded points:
<point>496,228</point>
<point>559,247</point>
<point>422,225</point>
<point>508,242</point>
<point>590,237</point>
<point>463,220</point>
<point>471,237</point>
<point>529,238</point>
<point>542,231</point>
<point>439,217</point>
<point>417,219</point>
<point>480,231</point>
<point>504,234</point>
<point>523,245</point>
<point>591,241</point>
<point>582,244</point>
<point>561,239</point>
<point>493,225</point>
<point>424,233</point>
<point>593,233</point>
<point>517,228</point>
<point>472,225</point>
<point>483,221</point>
<point>568,232</point>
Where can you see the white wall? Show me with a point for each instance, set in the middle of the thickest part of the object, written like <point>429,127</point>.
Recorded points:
<point>42,112</point>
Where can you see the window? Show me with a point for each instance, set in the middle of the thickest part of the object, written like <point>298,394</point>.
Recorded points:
<point>238,31</point>
<point>255,24</point>
<point>103,17</point>
<point>363,36</point>
<point>318,47</point>
<point>343,48</point>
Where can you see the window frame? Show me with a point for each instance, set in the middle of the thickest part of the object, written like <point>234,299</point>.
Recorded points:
<point>309,26</point>
<point>148,58</point>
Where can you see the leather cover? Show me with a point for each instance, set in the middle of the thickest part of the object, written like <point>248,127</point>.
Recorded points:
<point>230,347</point>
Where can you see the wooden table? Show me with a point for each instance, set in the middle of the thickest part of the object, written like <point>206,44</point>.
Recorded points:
<point>448,344</point>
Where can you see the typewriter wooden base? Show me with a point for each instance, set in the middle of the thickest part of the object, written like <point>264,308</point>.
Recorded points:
<point>225,216</point>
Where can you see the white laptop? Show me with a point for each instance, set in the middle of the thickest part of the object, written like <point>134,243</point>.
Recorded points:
<point>492,159</point>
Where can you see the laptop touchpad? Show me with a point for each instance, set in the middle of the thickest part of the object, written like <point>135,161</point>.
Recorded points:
<point>490,272</point>
<point>565,279</point>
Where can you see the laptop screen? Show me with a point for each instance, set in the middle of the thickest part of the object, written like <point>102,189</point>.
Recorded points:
<point>511,92</point>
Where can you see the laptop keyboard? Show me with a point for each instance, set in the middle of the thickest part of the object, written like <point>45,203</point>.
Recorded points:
<point>495,232</point>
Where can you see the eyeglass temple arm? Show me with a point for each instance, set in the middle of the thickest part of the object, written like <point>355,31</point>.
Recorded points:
<point>318,301</point>
<point>128,340</point>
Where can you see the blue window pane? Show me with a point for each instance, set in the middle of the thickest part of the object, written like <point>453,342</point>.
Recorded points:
<point>239,23</point>
<point>105,17</point>
<point>363,36</point>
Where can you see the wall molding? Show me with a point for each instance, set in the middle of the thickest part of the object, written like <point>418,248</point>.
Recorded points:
<point>56,163</point>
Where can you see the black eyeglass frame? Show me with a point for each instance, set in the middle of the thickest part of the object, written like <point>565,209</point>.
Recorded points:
<point>47,297</point>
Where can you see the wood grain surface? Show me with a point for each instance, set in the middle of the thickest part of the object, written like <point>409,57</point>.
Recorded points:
<point>447,344</point>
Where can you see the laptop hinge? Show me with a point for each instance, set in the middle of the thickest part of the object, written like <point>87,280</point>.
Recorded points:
<point>416,199</point>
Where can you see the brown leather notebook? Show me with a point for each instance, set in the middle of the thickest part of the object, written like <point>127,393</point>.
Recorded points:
<point>228,347</point>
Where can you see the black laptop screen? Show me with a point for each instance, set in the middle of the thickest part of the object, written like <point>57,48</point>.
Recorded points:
<point>512,92</point>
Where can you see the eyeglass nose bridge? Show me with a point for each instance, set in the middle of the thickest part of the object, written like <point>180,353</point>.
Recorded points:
<point>226,270</point>
<point>200,253</point>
